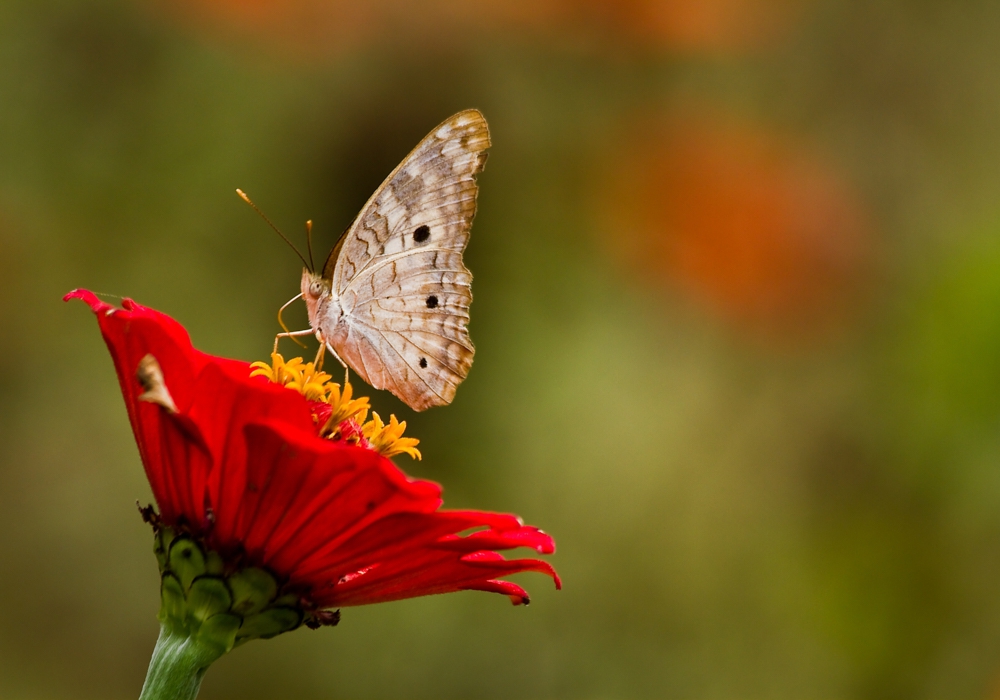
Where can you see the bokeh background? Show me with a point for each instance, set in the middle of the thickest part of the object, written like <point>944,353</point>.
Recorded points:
<point>737,315</point>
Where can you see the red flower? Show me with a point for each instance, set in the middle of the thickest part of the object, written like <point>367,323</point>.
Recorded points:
<point>238,464</point>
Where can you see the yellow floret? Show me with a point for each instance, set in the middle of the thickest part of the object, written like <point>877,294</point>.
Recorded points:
<point>388,440</point>
<point>344,407</point>
<point>279,371</point>
<point>312,383</point>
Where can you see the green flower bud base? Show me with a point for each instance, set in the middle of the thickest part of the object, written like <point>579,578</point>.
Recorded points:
<point>206,609</point>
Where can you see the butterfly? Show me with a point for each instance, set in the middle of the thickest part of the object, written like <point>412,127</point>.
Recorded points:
<point>392,300</point>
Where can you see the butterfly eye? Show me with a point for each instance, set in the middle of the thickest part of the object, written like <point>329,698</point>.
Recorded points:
<point>315,288</point>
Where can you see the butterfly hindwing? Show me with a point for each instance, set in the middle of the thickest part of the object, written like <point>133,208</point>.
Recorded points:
<point>399,272</point>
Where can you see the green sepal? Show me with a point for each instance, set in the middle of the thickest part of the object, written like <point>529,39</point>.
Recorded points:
<point>186,560</point>
<point>172,599</point>
<point>289,600</point>
<point>219,631</point>
<point>161,545</point>
<point>208,607</point>
<point>270,623</point>
<point>160,551</point>
<point>203,599</point>
<point>252,590</point>
<point>208,596</point>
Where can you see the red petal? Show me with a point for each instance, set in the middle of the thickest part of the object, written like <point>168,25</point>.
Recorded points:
<point>530,537</point>
<point>517,595</point>
<point>424,574</point>
<point>305,495</point>
<point>216,396</point>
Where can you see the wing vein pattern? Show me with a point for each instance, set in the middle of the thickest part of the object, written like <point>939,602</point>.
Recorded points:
<point>399,274</point>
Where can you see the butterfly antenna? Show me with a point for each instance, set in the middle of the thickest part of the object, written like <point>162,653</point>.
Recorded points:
<point>309,244</point>
<point>246,199</point>
<point>282,323</point>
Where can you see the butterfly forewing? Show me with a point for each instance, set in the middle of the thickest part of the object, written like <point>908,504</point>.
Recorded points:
<point>399,274</point>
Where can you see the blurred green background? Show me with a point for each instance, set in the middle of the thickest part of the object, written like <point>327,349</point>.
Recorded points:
<point>737,315</point>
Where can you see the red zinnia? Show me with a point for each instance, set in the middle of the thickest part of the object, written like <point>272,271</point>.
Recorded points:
<point>239,467</point>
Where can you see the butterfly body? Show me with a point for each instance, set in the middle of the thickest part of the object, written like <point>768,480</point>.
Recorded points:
<point>392,300</point>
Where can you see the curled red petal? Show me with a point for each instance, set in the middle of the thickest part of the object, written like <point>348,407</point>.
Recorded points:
<point>422,573</point>
<point>524,536</point>
<point>517,595</point>
<point>504,567</point>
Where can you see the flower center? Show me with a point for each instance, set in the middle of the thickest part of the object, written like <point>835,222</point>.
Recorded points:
<point>338,415</point>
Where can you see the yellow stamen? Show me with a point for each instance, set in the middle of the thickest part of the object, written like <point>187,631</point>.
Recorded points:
<point>304,378</point>
<point>311,383</point>
<point>344,407</point>
<point>279,371</point>
<point>388,440</point>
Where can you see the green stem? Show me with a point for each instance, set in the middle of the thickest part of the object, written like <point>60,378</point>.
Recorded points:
<point>179,663</point>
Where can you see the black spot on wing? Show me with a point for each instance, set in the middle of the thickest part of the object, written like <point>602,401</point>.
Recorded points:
<point>432,302</point>
<point>423,363</point>
<point>421,234</point>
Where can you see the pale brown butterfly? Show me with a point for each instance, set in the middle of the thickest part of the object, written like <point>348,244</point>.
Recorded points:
<point>392,301</point>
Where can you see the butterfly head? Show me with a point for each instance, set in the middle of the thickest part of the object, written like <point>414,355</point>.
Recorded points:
<point>315,293</point>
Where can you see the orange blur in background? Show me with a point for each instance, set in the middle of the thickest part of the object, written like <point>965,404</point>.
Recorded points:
<point>754,226</point>
<point>320,27</point>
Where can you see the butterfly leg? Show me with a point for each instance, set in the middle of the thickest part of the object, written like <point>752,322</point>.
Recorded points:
<point>318,362</point>
<point>290,334</point>
<point>347,370</point>
<point>334,352</point>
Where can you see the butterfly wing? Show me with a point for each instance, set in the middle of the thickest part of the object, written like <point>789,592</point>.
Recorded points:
<point>399,274</point>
